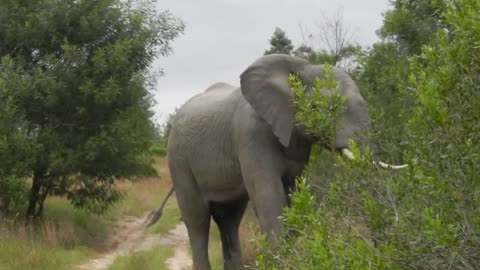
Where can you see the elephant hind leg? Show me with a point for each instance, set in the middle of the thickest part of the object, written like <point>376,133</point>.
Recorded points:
<point>195,214</point>
<point>228,216</point>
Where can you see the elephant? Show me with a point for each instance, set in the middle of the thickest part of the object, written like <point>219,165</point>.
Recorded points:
<point>229,145</point>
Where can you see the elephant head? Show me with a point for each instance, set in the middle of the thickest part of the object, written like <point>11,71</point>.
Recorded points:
<point>265,86</point>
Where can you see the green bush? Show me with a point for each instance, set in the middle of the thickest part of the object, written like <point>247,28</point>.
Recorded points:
<point>158,150</point>
<point>423,217</point>
<point>13,194</point>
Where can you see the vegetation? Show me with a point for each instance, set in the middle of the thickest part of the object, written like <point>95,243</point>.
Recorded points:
<point>59,243</point>
<point>330,44</point>
<point>279,43</point>
<point>152,259</point>
<point>69,236</point>
<point>75,100</point>
<point>162,132</point>
<point>75,119</point>
<point>424,217</point>
<point>319,112</point>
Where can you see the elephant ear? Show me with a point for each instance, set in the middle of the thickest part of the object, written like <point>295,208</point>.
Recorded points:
<point>265,86</point>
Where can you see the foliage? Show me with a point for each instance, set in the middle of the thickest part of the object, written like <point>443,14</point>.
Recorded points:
<point>158,148</point>
<point>320,107</point>
<point>424,217</point>
<point>279,43</point>
<point>15,151</point>
<point>160,142</point>
<point>383,79</point>
<point>315,242</point>
<point>75,73</point>
<point>313,56</point>
<point>412,23</point>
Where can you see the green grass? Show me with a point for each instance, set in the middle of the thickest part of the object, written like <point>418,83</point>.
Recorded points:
<point>79,225</point>
<point>36,255</point>
<point>59,241</point>
<point>169,220</point>
<point>153,259</point>
<point>215,247</point>
<point>22,255</point>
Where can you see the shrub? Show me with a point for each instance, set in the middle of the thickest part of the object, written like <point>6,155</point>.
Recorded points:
<point>424,217</point>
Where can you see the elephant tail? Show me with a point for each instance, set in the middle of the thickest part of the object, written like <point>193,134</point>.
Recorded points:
<point>154,216</point>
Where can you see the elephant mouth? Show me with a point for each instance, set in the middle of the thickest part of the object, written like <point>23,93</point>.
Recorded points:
<point>349,154</point>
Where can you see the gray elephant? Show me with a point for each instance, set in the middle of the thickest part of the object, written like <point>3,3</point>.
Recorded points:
<point>229,145</point>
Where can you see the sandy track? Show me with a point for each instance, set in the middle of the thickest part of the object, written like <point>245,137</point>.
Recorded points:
<point>129,237</point>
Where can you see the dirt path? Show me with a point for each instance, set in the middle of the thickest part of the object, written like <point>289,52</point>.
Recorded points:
<point>129,237</point>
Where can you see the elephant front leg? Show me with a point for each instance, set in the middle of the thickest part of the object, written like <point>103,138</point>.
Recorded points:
<point>269,200</point>
<point>266,190</point>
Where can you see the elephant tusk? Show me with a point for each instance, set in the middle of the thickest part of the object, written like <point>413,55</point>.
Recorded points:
<point>346,152</point>
<point>388,166</point>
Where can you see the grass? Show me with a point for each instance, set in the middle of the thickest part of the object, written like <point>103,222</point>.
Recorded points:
<point>144,195</point>
<point>66,226</point>
<point>169,220</point>
<point>171,213</point>
<point>59,242</point>
<point>22,255</point>
<point>215,247</point>
<point>144,260</point>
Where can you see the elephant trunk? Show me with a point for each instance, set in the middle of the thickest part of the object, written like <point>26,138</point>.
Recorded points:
<point>346,152</point>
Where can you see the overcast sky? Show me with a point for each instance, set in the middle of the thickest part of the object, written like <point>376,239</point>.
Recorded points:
<point>223,37</point>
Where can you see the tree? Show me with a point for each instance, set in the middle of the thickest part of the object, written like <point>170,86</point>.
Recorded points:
<point>76,73</point>
<point>279,43</point>
<point>313,56</point>
<point>331,43</point>
<point>385,68</point>
<point>15,149</point>
<point>412,23</point>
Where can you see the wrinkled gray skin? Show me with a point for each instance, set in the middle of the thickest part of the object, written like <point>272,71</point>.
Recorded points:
<point>230,144</point>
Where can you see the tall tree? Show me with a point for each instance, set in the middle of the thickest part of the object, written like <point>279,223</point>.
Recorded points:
<point>411,23</point>
<point>76,72</point>
<point>330,43</point>
<point>385,69</point>
<point>279,43</point>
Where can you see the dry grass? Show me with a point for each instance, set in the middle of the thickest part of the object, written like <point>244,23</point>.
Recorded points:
<point>146,194</point>
<point>58,243</point>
